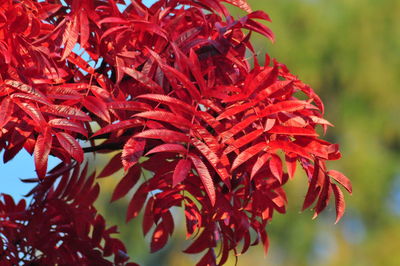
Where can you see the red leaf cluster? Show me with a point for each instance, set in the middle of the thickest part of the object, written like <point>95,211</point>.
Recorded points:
<point>60,225</point>
<point>171,88</point>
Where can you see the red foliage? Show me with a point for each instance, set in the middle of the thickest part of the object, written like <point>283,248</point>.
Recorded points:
<point>170,84</point>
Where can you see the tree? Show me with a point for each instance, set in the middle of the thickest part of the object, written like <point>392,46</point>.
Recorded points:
<point>179,90</point>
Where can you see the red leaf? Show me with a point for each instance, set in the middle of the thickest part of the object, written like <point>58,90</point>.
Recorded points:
<point>42,151</point>
<point>260,15</point>
<point>214,160</point>
<point>205,177</point>
<point>242,4</point>
<point>319,120</point>
<point>70,37</point>
<point>166,117</point>
<point>240,142</point>
<point>181,171</point>
<point>259,164</point>
<point>238,108</point>
<point>289,147</point>
<point>6,110</point>
<point>117,126</point>
<point>33,112</point>
<point>226,135</point>
<point>208,259</point>
<point>201,243</point>
<point>66,111</point>
<point>68,125</point>
<point>175,148</point>
<point>70,145</point>
<point>291,163</point>
<point>98,107</point>
<point>275,165</point>
<point>126,183</point>
<point>98,229</point>
<point>339,200</point>
<point>137,202</point>
<point>163,134</point>
<point>91,196</point>
<point>314,187</point>
<point>113,166</point>
<point>286,106</point>
<point>84,28</point>
<point>265,240</point>
<point>170,101</point>
<point>159,238</point>
<point>341,179</point>
<point>132,151</point>
<point>247,154</point>
<point>148,216</point>
<point>263,79</point>
<point>46,10</point>
<point>31,97</point>
<point>269,123</point>
<point>25,88</point>
<point>143,79</point>
<point>178,75</point>
<point>128,105</point>
<point>323,199</point>
<point>260,28</point>
<point>293,131</point>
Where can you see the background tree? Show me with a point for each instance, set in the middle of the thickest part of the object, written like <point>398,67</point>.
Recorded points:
<point>171,88</point>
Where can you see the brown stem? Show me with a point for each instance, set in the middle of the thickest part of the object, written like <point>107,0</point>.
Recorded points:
<point>105,146</point>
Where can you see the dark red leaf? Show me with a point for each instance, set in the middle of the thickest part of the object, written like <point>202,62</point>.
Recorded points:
<point>202,242</point>
<point>137,202</point>
<point>128,105</point>
<point>159,238</point>
<point>112,166</point>
<point>132,151</point>
<point>181,171</point>
<point>148,217</point>
<point>126,183</point>
<point>286,106</point>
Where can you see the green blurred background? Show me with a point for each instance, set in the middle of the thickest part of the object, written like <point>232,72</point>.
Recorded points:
<point>349,52</point>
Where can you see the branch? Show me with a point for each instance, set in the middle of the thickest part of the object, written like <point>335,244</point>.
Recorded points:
<point>105,146</point>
